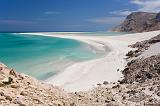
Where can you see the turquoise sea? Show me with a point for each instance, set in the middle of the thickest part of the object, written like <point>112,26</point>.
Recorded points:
<point>42,56</point>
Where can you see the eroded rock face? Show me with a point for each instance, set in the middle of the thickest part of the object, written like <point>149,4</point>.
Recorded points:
<point>141,69</point>
<point>140,22</point>
<point>142,46</point>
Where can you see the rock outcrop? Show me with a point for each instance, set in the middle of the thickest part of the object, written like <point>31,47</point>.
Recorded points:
<point>142,68</point>
<point>21,90</point>
<point>140,22</point>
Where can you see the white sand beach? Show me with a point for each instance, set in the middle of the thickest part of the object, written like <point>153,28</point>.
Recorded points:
<point>85,75</point>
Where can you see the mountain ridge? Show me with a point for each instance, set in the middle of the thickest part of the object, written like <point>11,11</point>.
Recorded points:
<point>139,22</point>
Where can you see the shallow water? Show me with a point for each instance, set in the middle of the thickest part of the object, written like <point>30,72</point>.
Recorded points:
<point>42,56</point>
<point>104,33</point>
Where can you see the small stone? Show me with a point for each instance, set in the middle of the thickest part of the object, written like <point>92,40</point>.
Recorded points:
<point>119,81</point>
<point>151,89</point>
<point>20,77</point>
<point>105,82</point>
<point>7,80</point>
<point>22,104</point>
<point>124,97</point>
<point>2,98</point>
<point>132,92</point>
<point>113,99</point>
<point>158,93</point>
<point>15,86</point>
<point>150,100</point>
<point>12,72</point>
<point>1,68</point>
<point>99,84</point>
<point>153,83</point>
<point>57,103</point>
<point>116,86</point>
<point>107,101</point>
<point>72,104</point>
<point>143,88</point>
<point>1,84</point>
<point>8,97</point>
<point>23,93</point>
<point>50,104</point>
<point>2,93</point>
<point>36,99</point>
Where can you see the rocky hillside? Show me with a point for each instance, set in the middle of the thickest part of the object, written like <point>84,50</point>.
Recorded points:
<point>140,22</point>
<point>21,90</point>
<point>140,86</point>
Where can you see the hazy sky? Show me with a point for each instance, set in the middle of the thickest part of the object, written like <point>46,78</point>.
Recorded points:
<point>68,15</point>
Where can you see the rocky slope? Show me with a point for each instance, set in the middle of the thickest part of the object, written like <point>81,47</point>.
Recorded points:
<point>140,86</point>
<point>140,22</point>
<point>21,90</point>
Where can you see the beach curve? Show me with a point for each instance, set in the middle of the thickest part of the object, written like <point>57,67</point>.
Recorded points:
<point>85,75</point>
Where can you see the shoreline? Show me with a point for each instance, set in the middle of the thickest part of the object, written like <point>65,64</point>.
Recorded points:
<point>85,75</point>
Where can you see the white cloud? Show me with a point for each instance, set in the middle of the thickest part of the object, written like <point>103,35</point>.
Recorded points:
<point>147,5</point>
<point>51,12</point>
<point>143,5</point>
<point>121,12</point>
<point>106,20</point>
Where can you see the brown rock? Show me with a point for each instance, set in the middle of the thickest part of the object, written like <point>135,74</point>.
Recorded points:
<point>22,104</point>
<point>158,93</point>
<point>7,80</point>
<point>107,101</point>
<point>72,104</point>
<point>23,93</point>
<point>116,86</point>
<point>15,86</point>
<point>8,97</point>
<point>151,89</point>
<point>2,98</point>
<point>57,103</point>
<point>105,82</point>
<point>99,84</point>
<point>12,72</point>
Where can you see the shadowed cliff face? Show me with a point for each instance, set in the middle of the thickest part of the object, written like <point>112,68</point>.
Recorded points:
<point>140,22</point>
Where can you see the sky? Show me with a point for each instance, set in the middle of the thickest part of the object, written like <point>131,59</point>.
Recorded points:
<point>69,15</point>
